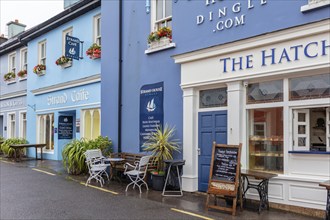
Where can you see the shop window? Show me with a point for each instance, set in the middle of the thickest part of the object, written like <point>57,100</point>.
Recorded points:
<point>311,129</point>
<point>42,53</point>
<point>97,30</point>
<point>213,98</point>
<point>23,125</point>
<point>46,130</point>
<point>12,63</point>
<point>11,133</point>
<point>91,124</point>
<point>263,92</point>
<point>310,87</point>
<point>64,33</point>
<point>24,59</point>
<point>266,139</point>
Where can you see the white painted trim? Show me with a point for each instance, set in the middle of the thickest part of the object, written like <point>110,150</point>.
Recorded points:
<point>10,110</point>
<point>165,47</point>
<point>21,58</point>
<point>95,18</point>
<point>13,54</point>
<point>9,127</point>
<point>301,200</point>
<point>20,119</point>
<point>68,85</point>
<point>96,104</point>
<point>40,43</point>
<point>312,4</point>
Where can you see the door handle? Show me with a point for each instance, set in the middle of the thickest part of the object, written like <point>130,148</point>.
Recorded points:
<point>198,151</point>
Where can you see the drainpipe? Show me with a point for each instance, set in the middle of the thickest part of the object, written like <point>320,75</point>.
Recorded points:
<point>120,75</point>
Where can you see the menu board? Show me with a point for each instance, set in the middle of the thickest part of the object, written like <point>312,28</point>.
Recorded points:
<point>65,127</point>
<point>225,164</point>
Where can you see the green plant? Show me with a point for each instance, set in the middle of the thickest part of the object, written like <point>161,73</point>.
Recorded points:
<point>73,153</point>
<point>2,138</point>
<point>8,151</point>
<point>9,76</point>
<point>22,73</point>
<point>157,35</point>
<point>62,60</point>
<point>38,68</point>
<point>162,145</point>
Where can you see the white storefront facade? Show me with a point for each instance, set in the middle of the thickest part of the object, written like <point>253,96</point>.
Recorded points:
<point>277,105</point>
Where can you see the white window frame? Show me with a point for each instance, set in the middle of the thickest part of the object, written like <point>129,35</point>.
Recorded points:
<point>327,124</point>
<point>22,124</point>
<point>69,32</point>
<point>97,37</point>
<point>296,124</point>
<point>11,128</point>
<point>23,59</point>
<point>11,64</point>
<point>42,59</point>
<point>154,21</point>
<point>314,4</point>
<point>41,136</point>
<point>83,122</point>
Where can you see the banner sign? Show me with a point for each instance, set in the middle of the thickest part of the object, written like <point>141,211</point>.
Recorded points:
<point>72,47</point>
<point>65,127</point>
<point>151,110</point>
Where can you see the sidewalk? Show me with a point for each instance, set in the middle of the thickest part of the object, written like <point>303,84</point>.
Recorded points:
<point>189,202</point>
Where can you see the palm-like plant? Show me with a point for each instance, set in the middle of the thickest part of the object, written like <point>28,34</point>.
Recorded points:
<point>162,145</point>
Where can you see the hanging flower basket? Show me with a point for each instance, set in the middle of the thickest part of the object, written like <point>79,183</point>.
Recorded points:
<point>64,62</point>
<point>39,69</point>
<point>22,74</point>
<point>9,77</point>
<point>94,51</point>
<point>160,38</point>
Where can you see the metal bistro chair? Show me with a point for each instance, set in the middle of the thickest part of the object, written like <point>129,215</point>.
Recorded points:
<point>138,172</point>
<point>96,166</point>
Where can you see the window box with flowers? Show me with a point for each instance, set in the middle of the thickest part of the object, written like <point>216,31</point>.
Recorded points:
<point>22,74</point>
<point>160,40</point>
<point>64,62</point>
<point>40,69</point>
<point>94,51</point>
<point>9,77</point>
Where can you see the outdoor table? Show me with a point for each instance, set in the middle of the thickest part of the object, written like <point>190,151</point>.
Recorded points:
<point>175,164</point>
<point>261,187</point>
<point>114,161</point>
<point>326,184</point>
<point>16,147</point>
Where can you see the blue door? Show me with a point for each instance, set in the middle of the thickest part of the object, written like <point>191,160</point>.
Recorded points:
<point>212,126</point>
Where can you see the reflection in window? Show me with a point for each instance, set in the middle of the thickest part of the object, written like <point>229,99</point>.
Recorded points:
<point>265,92</point>
<point>213,98</point>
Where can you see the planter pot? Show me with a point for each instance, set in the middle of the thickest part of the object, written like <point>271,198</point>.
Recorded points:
<point>22,77</point>
<point>41,73</point>
<point>160,43</point>
<point>66,65</point>
<point>95,57</point>
<point>158,182</point>
<point>10,81</point>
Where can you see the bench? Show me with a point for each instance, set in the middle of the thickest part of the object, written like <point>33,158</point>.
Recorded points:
<point>132,158</point>
<point>17,147</point>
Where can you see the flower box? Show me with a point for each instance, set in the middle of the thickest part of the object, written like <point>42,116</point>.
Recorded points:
<point>66,65</point>
<point>9,77</point>
<point>22,75</point>
<point>94,51</point>
<point>159,43</point>
<point>64,62</point>
<point>10,81</point>
<point>41,73</point>
<point>40,69</point>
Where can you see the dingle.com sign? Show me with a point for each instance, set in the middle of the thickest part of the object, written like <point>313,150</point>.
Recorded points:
<point>151,110</point>
<point>72,47</point>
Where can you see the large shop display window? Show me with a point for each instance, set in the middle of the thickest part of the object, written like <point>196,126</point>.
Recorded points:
<point>46,130</point>
<point>91,123</point>
<point>266,139</point>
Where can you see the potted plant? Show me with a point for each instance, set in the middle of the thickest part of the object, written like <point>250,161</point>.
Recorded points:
<point>9,77</point>
<point>160,38</point>
<point>162,145</point>
<point>64,62</point>
<point>22,74</point>
<point>39,69</point>
<point>94,51</point>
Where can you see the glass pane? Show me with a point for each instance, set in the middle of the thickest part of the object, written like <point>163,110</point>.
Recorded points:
<point>87,125</point>
<point>168,8</point>
<point>213,98</point>
<point>301,129</point>
<point>266,139</point>
<point>98,27</point>
<point>310,87</point>
<point>301,141</point>
<point>265,92</point>
<point>159,9</point>
<point>301,117</point>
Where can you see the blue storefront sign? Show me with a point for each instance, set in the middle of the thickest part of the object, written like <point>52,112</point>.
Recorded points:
<point>65,127</point>
<point>151,110</point>
<point>72,47</point>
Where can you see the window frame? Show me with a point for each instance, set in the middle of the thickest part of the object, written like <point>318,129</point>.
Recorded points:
<point>154,20</point>
<point>11,64</point>
<point>64,33</point>
<point>23,59</point>
<point>11,129</point>
<point>97,26</point>
<point>83,128</point>
<point>42,59</point>
<point>22,124</point>
<point>41,133</point>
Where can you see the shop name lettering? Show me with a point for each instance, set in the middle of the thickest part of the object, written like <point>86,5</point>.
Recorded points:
<point>275,56</point>
<point>11,104</point>
<point>76,96</point>
<point>221,14</point>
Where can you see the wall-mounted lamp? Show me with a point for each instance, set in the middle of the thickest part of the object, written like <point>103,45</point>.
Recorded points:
<point>147,6</point>
<point>32,106</point>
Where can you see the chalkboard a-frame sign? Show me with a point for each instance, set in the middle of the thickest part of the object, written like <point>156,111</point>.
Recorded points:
<point>224,174</point>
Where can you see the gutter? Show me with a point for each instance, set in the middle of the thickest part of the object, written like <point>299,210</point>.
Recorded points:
<point>120,83</point>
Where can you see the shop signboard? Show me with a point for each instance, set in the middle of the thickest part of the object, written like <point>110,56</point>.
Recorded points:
<point>65,127</point>
<point>72,47</point>
<point>151,110</point>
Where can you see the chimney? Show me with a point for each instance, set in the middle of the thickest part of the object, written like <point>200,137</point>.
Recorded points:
<point>14,28</point>
<point>69,3</point>
<point>2,39</point>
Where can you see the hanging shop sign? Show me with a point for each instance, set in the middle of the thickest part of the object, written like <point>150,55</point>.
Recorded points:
<point>72,47</point>
<point>65,127</point>
<point>151,110</point>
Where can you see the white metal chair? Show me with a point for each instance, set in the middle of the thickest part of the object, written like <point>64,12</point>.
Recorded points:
<point>96,166</point>
<point>137,173</point>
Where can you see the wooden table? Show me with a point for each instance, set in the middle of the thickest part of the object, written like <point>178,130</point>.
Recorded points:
<point>326,184</point>
<point>261,187</point>
<point>113,162</point>
<point>17,147</point>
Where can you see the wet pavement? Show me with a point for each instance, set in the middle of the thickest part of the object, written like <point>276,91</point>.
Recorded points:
<point>192,203</point>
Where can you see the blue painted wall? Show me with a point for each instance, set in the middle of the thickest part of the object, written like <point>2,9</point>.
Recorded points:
<point>140,69</point>
<point>82,29</point>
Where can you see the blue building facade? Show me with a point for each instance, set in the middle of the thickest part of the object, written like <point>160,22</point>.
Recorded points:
<point>63,98</point>
<point>232,72</point>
